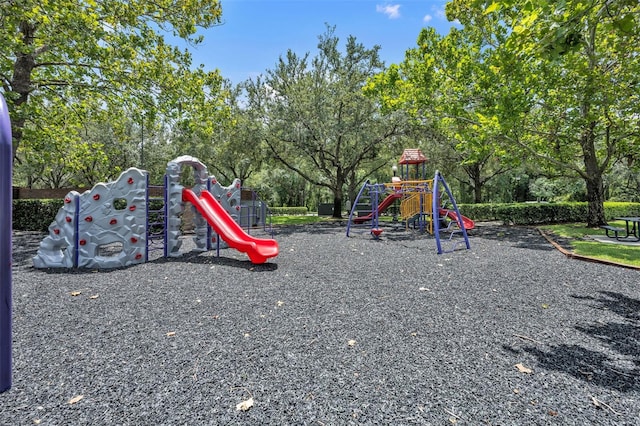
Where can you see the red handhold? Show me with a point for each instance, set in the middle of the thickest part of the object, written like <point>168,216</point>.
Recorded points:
<point>213,181</point>
<point>88,219</point>
<point>82,242</point>
<point>113,221</point>
<point>132,208</point>
<point>68,219</point>
<point>56,231</point>
<point>228,194</point>
<point>96,197</point>
<point>134,240</point>
<point>238,185</point>
<point>67,200</point>
<point>130,180</point>
<point>138,256</point>
<point>238,208</point>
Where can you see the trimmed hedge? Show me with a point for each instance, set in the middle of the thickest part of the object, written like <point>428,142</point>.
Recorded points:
<point>35,215</point>
<point>480,212</point>
<point>288,211</point>
<point>538,213</point>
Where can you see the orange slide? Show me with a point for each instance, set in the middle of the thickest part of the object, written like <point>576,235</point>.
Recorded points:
<point>451,214</point>
<point>258,249</point>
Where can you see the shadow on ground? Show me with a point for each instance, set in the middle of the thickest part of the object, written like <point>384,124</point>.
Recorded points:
<point>618,368</point>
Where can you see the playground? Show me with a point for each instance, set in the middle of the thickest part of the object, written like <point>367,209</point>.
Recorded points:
<point>422,204</point>
<point>333,330</point>
<point>305,325</point>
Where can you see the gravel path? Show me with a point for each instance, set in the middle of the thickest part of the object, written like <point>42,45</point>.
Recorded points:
<point>333,331</point>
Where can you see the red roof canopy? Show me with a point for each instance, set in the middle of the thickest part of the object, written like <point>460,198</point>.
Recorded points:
<point>412,156</point>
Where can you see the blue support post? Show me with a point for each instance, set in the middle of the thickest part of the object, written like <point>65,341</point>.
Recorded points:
<point>439,180</point>
<point>166,217</point>
<point>435,212</point>
<point>6,195</point>
<point>76,227</point>
<point>147,231</point>
<point>355,204</point>
<point>209,233</point>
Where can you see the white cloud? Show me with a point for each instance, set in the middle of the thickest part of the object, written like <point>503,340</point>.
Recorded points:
<point>427,18</point>
<point>440,13</point>
<point>391,10</point>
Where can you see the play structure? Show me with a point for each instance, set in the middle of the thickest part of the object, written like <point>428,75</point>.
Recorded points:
<point>115,224</point>
<point>419,203</point>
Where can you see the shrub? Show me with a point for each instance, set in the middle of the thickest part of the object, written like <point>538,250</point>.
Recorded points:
<point>34,215</point>
<point>285,211</point>
<point>37,215</point>
<point>538,213</point>
<point>480,212</point>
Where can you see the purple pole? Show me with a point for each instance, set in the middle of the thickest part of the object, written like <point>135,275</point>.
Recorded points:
<point>6,163</point>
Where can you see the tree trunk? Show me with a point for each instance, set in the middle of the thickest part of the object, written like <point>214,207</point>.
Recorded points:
<point>337,204</point>
<point>21,81</point>
<point>475,174</point>
<point>338,193</point>
<point>593,179</point>
<point>477,190</point>
<point>595,198</point>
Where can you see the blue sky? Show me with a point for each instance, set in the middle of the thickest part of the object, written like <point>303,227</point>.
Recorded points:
<point>255,33</point>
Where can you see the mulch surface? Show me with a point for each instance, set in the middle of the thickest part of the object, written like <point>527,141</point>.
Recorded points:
<point>334,330</point>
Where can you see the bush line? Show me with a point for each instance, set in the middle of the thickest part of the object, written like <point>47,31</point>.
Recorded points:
<point>37,215</point>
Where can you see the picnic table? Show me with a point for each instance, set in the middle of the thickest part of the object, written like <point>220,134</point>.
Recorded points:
<point>631,230</point>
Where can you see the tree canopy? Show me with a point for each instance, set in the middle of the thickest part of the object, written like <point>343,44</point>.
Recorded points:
<point>93,86</point>
<point>572,67</point>
<point>101,55</point>
<point>317,120</point>
<point>555,81</point>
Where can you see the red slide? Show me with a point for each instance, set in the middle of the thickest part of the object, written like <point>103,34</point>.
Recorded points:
<point>468,223</point>
<point>258,249</point>
<point>381,207</point>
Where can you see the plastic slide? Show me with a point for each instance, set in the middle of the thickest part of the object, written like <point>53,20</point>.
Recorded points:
<point>451,214</point>
<point>381,207</point>
<point>258,249</point>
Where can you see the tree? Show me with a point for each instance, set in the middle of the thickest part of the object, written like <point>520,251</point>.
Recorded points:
<point>109,52</point>
<point>317,120</point>
<point>232,146</point>
<point>448,85</point>
<point>574,66</point>
<point>68,152</point>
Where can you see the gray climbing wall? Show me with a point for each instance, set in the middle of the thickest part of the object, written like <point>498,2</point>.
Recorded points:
<point>176,206</point>
<point>105,227</point>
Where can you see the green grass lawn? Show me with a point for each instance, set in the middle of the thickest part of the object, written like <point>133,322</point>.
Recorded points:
<point>305,220</point>
<point>299,219</point>
<point>576,233</point>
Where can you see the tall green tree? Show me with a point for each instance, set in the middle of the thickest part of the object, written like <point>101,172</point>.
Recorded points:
<point>448,85</point>
<point>574,67</point>
<point>232,145</point>
<point>111,52</point>
<point>317,120</point>
<point>65,151</point>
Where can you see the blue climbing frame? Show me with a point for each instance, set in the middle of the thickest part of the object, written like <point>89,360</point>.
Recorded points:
<point>437,207</point>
